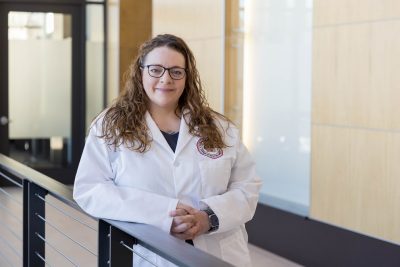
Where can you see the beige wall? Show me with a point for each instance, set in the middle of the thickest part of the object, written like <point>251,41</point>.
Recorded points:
<point>201,25</point>
<point>356,116</point>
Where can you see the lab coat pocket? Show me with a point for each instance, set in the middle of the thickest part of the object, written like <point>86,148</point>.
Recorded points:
<point>234,249</point>
<point>215,174</point>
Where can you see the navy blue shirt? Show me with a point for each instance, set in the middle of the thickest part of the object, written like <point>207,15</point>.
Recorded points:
<point>172,139</point>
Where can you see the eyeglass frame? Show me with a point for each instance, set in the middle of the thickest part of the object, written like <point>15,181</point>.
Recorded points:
<point>164,69</point>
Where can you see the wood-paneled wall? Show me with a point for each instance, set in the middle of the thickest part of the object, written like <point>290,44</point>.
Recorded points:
<point>135,24</point>
<point>234,39</point>
<point>356,116</point>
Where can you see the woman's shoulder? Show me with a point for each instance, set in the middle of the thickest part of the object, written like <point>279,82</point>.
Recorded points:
<point>97,122</point>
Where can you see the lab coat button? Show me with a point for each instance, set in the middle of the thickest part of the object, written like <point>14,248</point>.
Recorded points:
<point>176,163</point>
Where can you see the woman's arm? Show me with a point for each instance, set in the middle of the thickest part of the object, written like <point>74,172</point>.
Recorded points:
<point>97,194</point>
<point>237,205</point>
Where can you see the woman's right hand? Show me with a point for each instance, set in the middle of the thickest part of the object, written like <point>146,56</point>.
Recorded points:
<point>188,222</point>
<point>182,222</point>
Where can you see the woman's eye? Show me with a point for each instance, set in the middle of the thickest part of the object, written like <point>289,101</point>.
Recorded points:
<point>155,70</point>
<point>176,72</point>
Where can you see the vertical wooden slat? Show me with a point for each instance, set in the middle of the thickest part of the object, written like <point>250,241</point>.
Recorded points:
<point>233,62</point>
<point>135,28</point>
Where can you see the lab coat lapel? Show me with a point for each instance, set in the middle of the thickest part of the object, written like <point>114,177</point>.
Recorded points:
<point>184,135</point>
<point>156,133</point>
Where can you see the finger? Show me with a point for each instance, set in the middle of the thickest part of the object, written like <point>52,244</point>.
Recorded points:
<point>193,231</point>
<point>187,208</point>
<point>177,221</point>
<point>178,212</point>
<point>184,219</point>
<point>183,227</point>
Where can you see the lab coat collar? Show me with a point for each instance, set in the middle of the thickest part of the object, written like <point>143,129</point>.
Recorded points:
<point>184,135</point>
<point>183,139</point>
<point>156,133</point>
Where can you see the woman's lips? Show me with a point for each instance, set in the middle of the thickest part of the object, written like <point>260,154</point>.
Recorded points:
<point>165,89</point>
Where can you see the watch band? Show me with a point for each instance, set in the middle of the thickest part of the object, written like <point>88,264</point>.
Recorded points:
<point>212,219</point>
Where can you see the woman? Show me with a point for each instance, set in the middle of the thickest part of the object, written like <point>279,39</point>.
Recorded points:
<point>159,155</point>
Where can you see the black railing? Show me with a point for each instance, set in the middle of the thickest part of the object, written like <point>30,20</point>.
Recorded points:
<point>34,195</point>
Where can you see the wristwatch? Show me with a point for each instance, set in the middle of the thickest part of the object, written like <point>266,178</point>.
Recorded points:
<point>212,219</point>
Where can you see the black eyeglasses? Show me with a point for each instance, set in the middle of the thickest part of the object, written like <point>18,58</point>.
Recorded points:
<point>158,71</point>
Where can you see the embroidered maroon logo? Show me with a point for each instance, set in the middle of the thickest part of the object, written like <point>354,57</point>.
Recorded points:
<point>212,153</point>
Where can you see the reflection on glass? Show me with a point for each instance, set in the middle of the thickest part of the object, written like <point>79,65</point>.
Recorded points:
<point>94,61</point>
<point>40,47</point>
<point>277,99</point>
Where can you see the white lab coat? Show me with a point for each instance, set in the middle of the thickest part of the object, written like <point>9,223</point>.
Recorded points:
<point>144,187</point>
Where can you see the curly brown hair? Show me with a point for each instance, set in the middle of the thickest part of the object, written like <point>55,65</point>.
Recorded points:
<point>124,122</point>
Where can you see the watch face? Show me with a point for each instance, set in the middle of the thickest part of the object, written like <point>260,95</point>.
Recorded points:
<point>214,221</point>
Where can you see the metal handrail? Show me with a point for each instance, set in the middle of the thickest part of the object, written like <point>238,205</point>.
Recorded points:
<point>110,232</point>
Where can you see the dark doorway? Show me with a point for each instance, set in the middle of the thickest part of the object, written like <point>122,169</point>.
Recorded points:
<point>42,85</point>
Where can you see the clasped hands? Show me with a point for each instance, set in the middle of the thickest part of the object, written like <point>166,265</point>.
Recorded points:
<point>188,222</point>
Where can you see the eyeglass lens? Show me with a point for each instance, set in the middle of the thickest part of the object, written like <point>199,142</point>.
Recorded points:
<point>158,71</point>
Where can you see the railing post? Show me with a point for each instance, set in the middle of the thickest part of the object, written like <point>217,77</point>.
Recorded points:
<point>111,251</point>
<point>32,225</point>
<point>104,244</point>
<point>119,255</point>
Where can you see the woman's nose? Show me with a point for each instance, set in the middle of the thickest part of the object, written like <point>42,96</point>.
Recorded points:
<point>166,78</point>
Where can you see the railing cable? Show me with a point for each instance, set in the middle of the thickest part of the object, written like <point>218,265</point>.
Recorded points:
<point>10,196</point>
<point>65,213</point>
<point>55,249</point>
<point>10,213</point>
<point>70,238</point>
<point>11,231</point>
<point>42,258</point>
<point>11,180</point>
<point>11,247</point>
<point>2,256</point>
<point>137,253</point>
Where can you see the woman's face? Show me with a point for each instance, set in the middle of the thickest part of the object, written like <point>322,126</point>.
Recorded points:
<point>164,92</point>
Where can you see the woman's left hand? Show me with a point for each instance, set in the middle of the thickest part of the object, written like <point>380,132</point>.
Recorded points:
<point>197,219</point>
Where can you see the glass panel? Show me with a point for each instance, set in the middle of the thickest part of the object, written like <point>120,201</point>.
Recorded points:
<point>277,99</point>
<point>94,61</point>
<point>40,48</point>
<point>113,82</point>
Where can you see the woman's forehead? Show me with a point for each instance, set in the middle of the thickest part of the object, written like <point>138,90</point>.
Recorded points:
<point>165,56</point>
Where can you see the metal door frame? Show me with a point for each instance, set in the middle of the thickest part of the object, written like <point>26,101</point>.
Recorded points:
<point>77,11</point>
